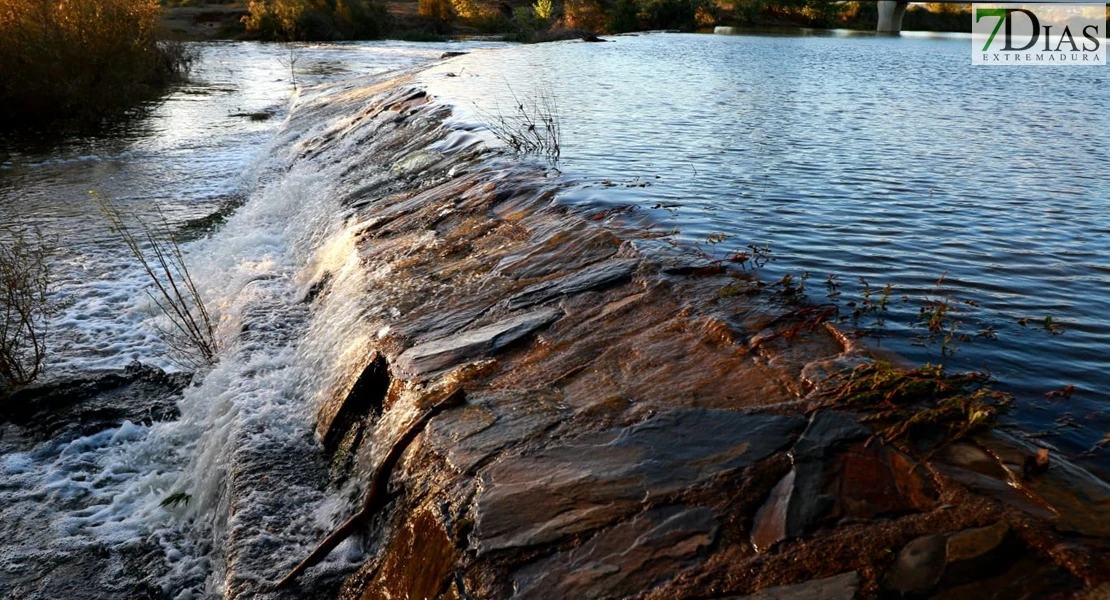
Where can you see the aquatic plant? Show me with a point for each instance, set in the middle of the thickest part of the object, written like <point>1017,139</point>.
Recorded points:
<point>920,403</point>
<point>25,305</point>
<point>532,127</point>
<point>192,334</point>
<point>82,59</point>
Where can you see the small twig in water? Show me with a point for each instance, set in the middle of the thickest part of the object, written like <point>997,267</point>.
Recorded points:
<point>376,495</point>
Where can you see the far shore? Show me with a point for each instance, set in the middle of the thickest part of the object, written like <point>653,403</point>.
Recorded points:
<point>210,21</point>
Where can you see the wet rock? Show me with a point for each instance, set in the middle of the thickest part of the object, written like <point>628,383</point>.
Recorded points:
<point>492,422</point>
<point>770,524</point>
<point>562,249</point>
<point>949,560</point>
<point>418,562</point>
<point>826,432</point>
<point>970,552</point>
<point>801,499</point>
<point>1029,576</point>
<point>918,567</point>
<point>818,371</point>
<point>473,344</point>
<point>452,54</point>
<point>316,288</point>
<point>598,276</point>
<point>599,478</point>
<point>91,403</point>
<point>337,416</point>
<point>1080,500</point>
<point>877,480</point>
<point>624,560</point>
<point>837,587</point>
<point>1073,499</point>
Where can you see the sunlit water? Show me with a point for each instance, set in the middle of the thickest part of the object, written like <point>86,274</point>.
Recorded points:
<point>189,156</point>
<point>858,155</point>
<point>887,158</point>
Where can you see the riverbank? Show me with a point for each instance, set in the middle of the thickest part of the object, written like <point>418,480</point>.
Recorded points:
<point>626,429</point>
<point>225,20</point>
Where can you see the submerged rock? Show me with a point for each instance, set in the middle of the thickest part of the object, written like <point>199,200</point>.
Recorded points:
<point>86,404</point>
<point>598,276</point>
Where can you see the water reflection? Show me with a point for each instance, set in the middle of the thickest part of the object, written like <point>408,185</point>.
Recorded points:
<point>891,159</point>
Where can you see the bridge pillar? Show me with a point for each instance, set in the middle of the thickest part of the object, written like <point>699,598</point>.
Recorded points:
<point>890,15</point>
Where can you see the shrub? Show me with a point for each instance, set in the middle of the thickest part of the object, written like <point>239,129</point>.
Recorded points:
<point>585,15</point>
<point>81,59</point>
<point>532,128</point>
<point>544,10</point>
<point>624,16</point>
<point>440,12</point>
<point>25,307</point>
<point>306,20</point>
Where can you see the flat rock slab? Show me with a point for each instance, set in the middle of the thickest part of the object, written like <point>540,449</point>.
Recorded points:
<point>465,346</point>
<point>837,587</point>
<point>602,477</point>
<point>490,422</point>
<point>625,560</point>
<point>1073,499</point>
<point>594,277</point>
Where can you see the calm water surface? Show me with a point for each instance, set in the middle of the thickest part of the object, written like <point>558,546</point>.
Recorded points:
<point>854,155</point>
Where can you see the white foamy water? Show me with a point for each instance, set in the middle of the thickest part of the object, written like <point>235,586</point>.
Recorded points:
<point>100,495</point>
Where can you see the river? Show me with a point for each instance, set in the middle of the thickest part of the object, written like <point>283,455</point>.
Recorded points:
<point>853,155</point>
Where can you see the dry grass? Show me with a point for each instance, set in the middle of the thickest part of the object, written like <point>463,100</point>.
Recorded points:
<point>191,334</point>
<point>81,59</point>
<point>532,127</point>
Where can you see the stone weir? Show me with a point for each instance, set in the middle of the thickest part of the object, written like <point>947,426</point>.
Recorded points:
<point>553,404</point>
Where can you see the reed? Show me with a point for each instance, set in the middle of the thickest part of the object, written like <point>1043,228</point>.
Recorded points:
<point>191,334</point>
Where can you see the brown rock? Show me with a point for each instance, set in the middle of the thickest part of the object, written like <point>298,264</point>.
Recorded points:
<point>599,478</point>
<point>837,587</point>
<point>365,397</point>
<point>869,481</point>
<point>491,422</point>
<point>919,566</point>
<point>624,560</point>
<point>471,345</point>
<point>597,276</point>
<point>418,563</point>
<point>972,552</point>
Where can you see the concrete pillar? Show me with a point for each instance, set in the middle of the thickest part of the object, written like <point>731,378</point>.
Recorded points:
<point>890,15</point>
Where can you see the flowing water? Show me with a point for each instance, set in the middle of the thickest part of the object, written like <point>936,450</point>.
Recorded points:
<point>887,158</point>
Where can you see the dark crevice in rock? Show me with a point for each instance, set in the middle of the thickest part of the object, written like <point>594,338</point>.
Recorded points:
<point>377,494</point>
<point>342,424</point>
<point>317,288</point>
